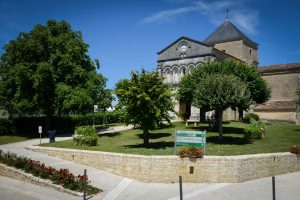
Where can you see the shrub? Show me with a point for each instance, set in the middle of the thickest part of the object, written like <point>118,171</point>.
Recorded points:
<point>295,149</point>
<point>61,177</point>
<point>85,136</point>
<point>248,117</point>
<point>191,152</point>
<point>6,126</point>
<point>255,130</point>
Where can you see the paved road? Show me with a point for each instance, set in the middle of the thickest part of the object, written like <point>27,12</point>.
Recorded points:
<point>121,188</point>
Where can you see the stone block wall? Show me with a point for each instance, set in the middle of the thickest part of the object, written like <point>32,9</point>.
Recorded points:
<point>239,50</point>
<point>166,169</point>
<point>278,116</point>
<point>283,86</point>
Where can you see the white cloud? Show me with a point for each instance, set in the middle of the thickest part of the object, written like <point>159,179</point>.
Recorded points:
<point>215,11</point>
<point>167,15</point>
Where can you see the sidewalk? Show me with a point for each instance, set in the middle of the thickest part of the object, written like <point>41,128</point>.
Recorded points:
<point>121,188</point>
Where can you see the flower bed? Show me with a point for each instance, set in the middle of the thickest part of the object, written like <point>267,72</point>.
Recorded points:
<point>61,177</point>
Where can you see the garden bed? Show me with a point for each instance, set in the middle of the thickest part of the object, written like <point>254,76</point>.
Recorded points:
<point>33,171</point>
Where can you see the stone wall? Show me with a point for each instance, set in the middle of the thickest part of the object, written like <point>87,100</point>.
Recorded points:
<point>273,116</point>
<point>239,50</point>
<point>283,86</point>
<point>166,169</point>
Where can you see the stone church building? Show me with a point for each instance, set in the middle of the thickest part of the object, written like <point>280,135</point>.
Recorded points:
<point>227,41</point>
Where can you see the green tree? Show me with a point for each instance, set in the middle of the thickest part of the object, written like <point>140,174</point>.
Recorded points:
<point>146,101</point>
<point>259,90</point>
<point>218,92</point>
<point>48,71</point>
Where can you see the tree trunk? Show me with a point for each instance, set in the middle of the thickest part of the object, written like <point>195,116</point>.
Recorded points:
<point>202,115</point>
<point>48,122</point>
<point>241,114</point>
<point>146,137</point>
<point>216,121</point>
<point>48,119</point>
<point>220,124</point>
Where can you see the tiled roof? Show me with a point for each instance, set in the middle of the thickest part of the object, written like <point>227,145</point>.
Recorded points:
<point>276,106</point>
<point>289,67</point>
<point>226,32</point>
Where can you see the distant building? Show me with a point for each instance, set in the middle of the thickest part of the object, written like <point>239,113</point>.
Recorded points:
<point>227,41</point>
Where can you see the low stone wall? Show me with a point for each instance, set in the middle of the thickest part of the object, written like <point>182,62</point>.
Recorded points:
<point>23,176</point>
<point>166,169</point>
<point>288,116</point>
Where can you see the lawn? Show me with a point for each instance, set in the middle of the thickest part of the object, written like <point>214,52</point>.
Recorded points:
<point>5,139</point>
<point>279,137</point>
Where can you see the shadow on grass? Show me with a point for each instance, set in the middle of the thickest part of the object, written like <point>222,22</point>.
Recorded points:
<point>163,126</point>
<point>228,140</point>
<point>155,135</point>
<point>109,134</point>
<point>152,145</point>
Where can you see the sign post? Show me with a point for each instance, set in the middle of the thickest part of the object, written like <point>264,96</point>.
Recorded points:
<point>40,132</point>
<point>190,138</point>
<point>95,110</point>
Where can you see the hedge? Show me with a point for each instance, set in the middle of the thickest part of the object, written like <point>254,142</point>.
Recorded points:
<point>29,125</point>
<point>6,126</point>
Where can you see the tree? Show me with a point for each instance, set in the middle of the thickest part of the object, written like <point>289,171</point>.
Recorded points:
<point>47,71</point>
<point>218,92</point>
<point>146,101</point>
<point>259,90</point>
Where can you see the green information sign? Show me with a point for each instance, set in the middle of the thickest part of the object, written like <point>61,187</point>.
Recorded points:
<point>190,138</point>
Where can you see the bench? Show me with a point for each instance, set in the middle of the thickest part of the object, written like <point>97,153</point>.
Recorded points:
<point>192,119</point>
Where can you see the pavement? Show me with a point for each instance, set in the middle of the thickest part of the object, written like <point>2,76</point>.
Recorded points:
<point>121,188</point>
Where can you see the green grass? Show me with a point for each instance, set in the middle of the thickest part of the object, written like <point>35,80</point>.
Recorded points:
<point>6,139</point>
<point>279,137</point>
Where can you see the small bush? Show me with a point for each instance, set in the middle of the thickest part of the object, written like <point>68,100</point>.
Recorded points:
<point>295,149</point>
<point>85,136</point>
<point>256,130</point>
<point>6,126</point>
<point>248,117</point>
<point>191,152</point>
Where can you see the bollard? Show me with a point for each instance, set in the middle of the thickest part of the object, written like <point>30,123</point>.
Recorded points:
<point>84,185</point>
<point>180,187</point>
<point>273,187</point>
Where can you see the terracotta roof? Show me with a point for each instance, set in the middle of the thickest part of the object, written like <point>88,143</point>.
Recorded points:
<point>276,106</point>
<point>289,67</point>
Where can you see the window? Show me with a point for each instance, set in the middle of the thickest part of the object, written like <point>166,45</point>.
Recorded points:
<point>250,52</point>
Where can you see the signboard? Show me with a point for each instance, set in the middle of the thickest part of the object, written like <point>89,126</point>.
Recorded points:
<point>190,138</point>
<point>40,129</point>
<point>95,108</point>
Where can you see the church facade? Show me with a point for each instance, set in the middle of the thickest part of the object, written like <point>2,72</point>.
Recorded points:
<point>227,41</point>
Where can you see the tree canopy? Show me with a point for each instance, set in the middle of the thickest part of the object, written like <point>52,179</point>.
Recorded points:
<point>259,90</point>
<point>218,92</point>
<point>207,87</point>
<point>146,101</point>
<point>48,71</point>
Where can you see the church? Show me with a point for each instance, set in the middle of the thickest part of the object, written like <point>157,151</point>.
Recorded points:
<point>227,41</point>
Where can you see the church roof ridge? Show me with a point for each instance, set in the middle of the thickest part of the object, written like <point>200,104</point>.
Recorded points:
<point>185,38</point>
<point>226,32</point>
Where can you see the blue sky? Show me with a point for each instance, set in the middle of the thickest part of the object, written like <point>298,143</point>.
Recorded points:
<point>125,35</point>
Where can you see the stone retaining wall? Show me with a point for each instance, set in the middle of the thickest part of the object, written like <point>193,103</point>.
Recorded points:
<point>166,169</point>
<point>23,176</point>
